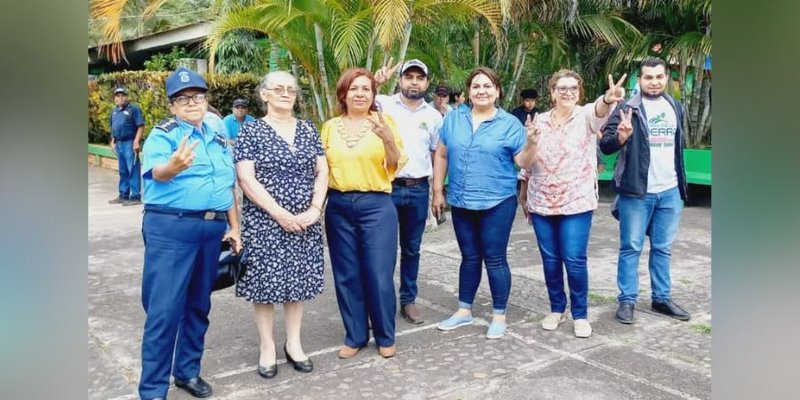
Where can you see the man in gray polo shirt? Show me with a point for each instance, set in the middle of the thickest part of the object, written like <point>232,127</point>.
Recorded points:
<point>418,123</point>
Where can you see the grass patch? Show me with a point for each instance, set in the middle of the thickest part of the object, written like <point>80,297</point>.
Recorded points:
<point>702,328</point>
<point>600,299</point>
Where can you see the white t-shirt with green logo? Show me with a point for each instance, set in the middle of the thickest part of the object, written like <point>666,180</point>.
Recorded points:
<point>662,124</point>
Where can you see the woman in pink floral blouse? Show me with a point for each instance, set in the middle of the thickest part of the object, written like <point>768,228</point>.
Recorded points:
<point>561,193</point>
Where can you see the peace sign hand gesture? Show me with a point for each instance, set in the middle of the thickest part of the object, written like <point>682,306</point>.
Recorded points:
<point>533,129</point>
<point>625,128</point>
<point>385,72</point>
<point>183,157</point>
<point>380,128</point>
<point>615,91</point>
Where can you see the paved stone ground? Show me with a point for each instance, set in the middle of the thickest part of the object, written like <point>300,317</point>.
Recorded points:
<point>656,358</point>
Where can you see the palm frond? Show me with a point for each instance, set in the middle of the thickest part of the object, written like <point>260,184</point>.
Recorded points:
<point>391,17</point>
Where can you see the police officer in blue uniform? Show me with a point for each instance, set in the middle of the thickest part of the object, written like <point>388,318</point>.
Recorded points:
<point>189,197</point>
<point>127,126</point>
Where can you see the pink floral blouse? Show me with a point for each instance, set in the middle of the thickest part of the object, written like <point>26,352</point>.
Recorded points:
<point>563,179</point>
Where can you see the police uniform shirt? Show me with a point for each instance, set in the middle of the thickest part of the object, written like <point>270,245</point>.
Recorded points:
<point>206,185</point>
<point>125,120</point>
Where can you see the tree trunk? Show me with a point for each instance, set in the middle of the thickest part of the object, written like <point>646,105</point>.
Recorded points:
<point>695,106</point>
<point>401,56</point>
<point>300,101</point>
<point>705,117</point>
<point>317,100</point>
<point>687,135</point>
<point>322,70</point>
<point>371,49</point>
<point>519,63</point>
<point>273,54</point>
<point>476,44</point>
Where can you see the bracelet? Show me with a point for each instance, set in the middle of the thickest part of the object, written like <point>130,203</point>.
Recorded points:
<point>607,103</point>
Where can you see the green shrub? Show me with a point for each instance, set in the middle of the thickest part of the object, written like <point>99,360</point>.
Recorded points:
<point>146,89</point>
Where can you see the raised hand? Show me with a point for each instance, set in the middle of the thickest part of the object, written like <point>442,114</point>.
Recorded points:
<point>615,91</point>
<point>533,129</point>
<point>386,71</point>
<point>625,127</point>
<point>380,128</point>
<point>183,157</point>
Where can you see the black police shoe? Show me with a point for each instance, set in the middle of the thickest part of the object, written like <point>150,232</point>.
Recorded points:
<point>196,387</point>
<point>624,313</point>
<point>670,309</point>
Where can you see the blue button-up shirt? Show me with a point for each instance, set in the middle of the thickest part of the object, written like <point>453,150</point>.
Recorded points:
<point>206,185</point>
<point>480,165</point>
<point>125,121</point>
<point>232,125</point>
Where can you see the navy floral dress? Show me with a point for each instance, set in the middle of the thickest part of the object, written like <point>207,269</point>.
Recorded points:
<point>281,266</point>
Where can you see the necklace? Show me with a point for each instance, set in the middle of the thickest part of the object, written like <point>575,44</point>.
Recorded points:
<point>351,139</point>
<point>559,120</point>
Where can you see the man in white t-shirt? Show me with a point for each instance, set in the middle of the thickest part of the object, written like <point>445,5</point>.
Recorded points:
<point>650,180</point>
<point>418,124</point>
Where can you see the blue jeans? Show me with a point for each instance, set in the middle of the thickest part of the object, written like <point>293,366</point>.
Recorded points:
<point>563,241</point>
<point>482,236</point>
<point>129,170</point>
<point>411,203</point>
<point>362,241</point>
<point>658,214</point>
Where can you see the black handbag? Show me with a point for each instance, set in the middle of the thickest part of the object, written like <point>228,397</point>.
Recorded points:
<point>230,268</point>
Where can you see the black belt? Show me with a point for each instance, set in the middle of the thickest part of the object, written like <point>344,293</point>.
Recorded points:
<point>206,215</point>
<point>409,181</point>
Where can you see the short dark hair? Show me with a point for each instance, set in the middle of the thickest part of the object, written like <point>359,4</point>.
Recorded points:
<point>652,62</point>
<point>489,74</point>
<point>529,94</point>
<point>455,93</point>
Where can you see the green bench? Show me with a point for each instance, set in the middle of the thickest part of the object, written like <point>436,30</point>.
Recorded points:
<point>697,162</point>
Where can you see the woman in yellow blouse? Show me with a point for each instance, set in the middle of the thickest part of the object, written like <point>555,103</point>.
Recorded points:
<point>364,153</point>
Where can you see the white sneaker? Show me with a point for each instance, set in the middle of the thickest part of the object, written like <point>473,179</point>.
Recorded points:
<point>552,321</point>
<point>582,328</point>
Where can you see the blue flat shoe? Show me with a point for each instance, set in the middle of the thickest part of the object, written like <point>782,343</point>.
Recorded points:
<point>496,330</point>
<point>454,322</point>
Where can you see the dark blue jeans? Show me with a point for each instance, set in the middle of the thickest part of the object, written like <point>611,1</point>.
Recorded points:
<point>362,240</point>
<point>482,237</point>
<point>563,241</point>
<point>411,203</point>
<point>129,170</point>
<point>180,267</point>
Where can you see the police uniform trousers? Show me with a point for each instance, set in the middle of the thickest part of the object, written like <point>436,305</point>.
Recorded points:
<point>362,240</point>
<point>130,179</point>
<point>180,268</point>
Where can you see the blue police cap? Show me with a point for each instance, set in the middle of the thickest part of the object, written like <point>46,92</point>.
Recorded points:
<point>184,78</point>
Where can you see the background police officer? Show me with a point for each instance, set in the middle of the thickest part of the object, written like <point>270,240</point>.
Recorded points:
<point>188,195</point>
<point>127,125</point>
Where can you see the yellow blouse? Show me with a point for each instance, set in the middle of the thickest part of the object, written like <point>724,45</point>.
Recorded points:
<point>361,166</point>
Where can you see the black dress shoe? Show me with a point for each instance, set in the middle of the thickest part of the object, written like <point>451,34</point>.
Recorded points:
<point>624,313</point>
<point>302,366</point>
<point>670,309</point>
<point>196,387</point>
<point>268,373</point>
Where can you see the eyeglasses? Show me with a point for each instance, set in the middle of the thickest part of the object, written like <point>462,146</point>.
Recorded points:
<point>281,90</point>
<point>183,100</point>
<point>565,89</point>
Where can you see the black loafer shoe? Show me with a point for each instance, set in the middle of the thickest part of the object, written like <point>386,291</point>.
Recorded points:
<point>670,309</point>
<point>624,313</point>
<point>268,373</point>
<point>302,366</point>
<point>196,387</point>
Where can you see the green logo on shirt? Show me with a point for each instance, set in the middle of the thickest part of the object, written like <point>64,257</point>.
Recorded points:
<point>658,119</point>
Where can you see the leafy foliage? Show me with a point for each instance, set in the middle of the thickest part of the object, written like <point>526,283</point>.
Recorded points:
<point>147,90</point>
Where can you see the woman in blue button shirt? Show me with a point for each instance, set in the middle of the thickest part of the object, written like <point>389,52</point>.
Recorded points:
<point>478,148</point>
<point>189,201</point>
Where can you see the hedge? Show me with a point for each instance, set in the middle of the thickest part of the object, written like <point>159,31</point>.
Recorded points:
<point>146,89</point>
